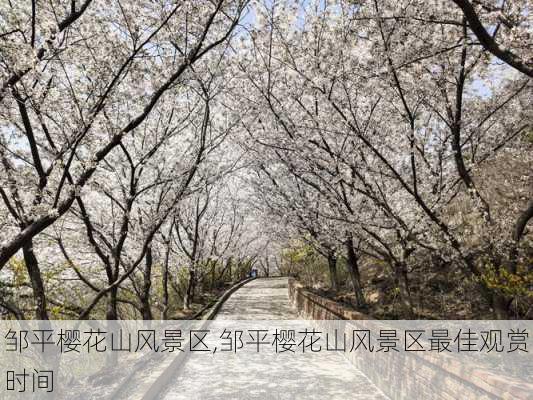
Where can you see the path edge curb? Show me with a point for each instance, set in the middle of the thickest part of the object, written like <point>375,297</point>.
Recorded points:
<point>153,389</point>
<point>216,307</point>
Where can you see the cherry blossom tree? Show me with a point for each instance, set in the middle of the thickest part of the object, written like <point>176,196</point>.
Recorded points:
<point>153,150</point>
<point>357,100</point>
<point>69,71</point>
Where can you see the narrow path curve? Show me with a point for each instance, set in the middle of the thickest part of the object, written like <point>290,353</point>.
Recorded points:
<point>267,375</point>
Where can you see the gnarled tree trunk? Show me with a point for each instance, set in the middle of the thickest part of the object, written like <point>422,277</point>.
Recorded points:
<point>112,301</point>
<point>332,264</point>
<point>146,309</point>
<point>189,294</point>
<point>353,268</point>
<point>32,266</point>
<point>402,280</point>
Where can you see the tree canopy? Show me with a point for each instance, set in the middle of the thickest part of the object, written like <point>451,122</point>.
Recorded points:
<point>150,150</point>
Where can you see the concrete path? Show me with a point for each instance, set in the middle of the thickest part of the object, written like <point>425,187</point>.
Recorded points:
<point>267,375</point>
<point>259,299</point>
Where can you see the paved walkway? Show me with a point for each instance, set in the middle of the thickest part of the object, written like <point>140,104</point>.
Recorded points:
<point>259,299</point>
<point>267,375</point>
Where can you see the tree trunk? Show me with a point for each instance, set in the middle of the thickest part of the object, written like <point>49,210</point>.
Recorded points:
<point>189,294</point>
<point>213,274</point>
<point>224,268</point>
<point>521,222</point>
<point>39,295</point>
<point>267,269</point>
<point>518,231</point>
<point>332,264</point>
<point>400,272</point>
<point>146,309</point>
<point>112,312</point>
<point>353,268</point>
<point>164,283</point>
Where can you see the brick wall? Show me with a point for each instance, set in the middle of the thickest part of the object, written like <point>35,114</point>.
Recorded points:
<point>412,376</point>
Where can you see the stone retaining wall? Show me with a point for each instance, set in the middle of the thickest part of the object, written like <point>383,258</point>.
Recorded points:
<point>313,306</point>
<point>405,375</point>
